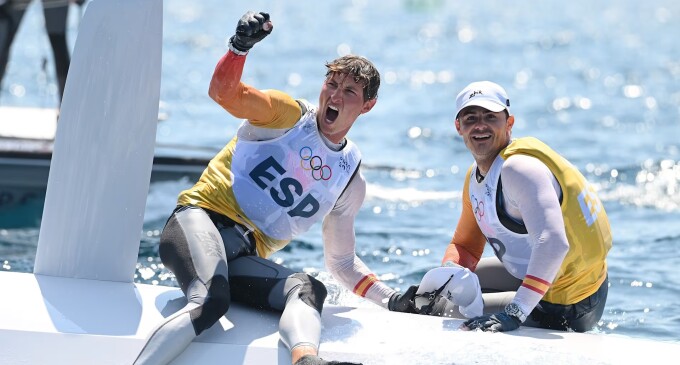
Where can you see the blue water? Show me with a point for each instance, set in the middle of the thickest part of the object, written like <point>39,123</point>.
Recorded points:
<point>597,80</point>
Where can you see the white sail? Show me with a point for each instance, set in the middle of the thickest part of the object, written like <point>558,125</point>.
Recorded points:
<point>104,145</point>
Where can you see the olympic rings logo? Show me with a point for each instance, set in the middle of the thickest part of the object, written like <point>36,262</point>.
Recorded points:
<point>478,209</point>
<point>315,164</point>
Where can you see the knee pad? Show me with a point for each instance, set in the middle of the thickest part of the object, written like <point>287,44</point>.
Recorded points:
<point>214,306</point>
<point>312,292</point>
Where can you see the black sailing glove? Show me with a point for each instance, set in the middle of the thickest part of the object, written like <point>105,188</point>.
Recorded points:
<point>251,28</point>
<point>499,322</point>
<point>403,302</point>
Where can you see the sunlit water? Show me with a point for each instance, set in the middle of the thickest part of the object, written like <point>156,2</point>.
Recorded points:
<point>596,80</point>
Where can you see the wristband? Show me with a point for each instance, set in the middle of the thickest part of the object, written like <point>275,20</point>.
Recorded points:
<point>236,50</point>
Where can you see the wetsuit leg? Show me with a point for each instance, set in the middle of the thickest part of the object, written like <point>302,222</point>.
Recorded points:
<point>494,278</point>
<point>498,286</point>
<point>264,284</point>
<point>579,317</point>
<point>588,312</point>
<point>56,15</point>
<point>192,247</point>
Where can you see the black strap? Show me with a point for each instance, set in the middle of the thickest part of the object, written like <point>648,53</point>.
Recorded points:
<point>441,288</point>
<point>503,215</point>
<point>432,298</point>
<point>350,179</point>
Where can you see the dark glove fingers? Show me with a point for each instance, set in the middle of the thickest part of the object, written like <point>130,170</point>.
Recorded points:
<point>261,18</point>
<point>398,304</point>
<point>244,27</point>
<point>250,30</point>
<point>403,302</point>
<point>410,293</point>
<point>494,324</point>
<point>501,322</point>
<point>408,298</point>
<point>251,23</point>
<point>481,322</point>
<point>473,323</point>
<point>254,26</point>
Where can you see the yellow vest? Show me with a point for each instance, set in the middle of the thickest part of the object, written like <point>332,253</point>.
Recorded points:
<point>585,267</point>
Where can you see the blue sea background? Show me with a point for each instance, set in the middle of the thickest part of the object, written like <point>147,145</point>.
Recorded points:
<point>599,81</point>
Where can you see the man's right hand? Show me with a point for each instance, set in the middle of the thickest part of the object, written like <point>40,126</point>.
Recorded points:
<point>251,28</point>
<point>403,302</point>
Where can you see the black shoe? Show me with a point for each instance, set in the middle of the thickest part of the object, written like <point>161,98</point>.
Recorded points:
<point>315,360</point>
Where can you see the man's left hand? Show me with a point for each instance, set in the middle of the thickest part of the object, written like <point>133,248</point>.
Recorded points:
<point>251,28</point>
<point>403,302</point>
<point>498,322</point>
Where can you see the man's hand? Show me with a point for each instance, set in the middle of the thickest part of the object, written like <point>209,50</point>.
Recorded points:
<point>251,28</point>
<point>403,302</point>
<point>499,322</point>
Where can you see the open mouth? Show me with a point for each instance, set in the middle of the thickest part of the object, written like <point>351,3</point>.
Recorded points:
<point>331,113</point>
<point>481,137</point>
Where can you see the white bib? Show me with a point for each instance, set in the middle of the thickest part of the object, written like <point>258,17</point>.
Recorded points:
<point>286,184</point>
<point>513,249</point>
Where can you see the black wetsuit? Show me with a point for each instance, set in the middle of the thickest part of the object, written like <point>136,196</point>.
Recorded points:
<point>215,262</point>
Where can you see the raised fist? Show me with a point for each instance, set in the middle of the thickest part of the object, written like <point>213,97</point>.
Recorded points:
<point>251,28</point>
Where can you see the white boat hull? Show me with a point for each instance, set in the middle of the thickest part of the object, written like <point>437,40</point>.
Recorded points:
<point>76,321</point>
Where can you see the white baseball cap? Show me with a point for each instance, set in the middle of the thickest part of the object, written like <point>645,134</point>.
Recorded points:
<point>486,94</point>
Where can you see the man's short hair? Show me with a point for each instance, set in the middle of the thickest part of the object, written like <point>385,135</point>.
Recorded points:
<point>361,69</point>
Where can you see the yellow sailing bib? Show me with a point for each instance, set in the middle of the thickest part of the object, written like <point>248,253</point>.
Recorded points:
<point>587,227</point>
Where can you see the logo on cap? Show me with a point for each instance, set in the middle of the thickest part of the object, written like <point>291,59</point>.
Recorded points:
<point>475,93</point>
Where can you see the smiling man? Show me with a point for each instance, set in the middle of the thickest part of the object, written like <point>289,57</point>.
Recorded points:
<point>288,167</point>
<point>545,223</point>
